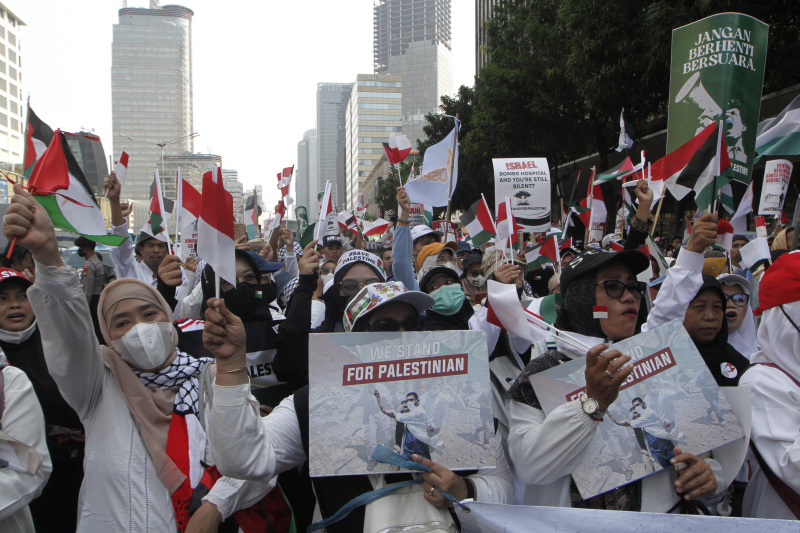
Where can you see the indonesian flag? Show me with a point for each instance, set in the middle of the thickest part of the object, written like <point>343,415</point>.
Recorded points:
<point>158,215</point>
<point>615,246</point>
<point>600,311</point>
<point>547,252</point>
<point>478,223</point>
<point>37,138</point>
<point>397,148</point>
<point>507,227</point>
<point>347,221</point>
<point>597,220</point>
<point>285,180</point>
<point>505,310</point>
<point>327,215</point>
<point>59,185</point>
<point>754,254</point>
<point>761,227</point>
<point>121,169</point>
<point>724,235</point>
<point>377,227</point>
<point>189,203</point>
<point>215,243</point>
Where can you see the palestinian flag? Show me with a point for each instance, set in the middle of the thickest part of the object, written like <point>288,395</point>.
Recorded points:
<point>780,135</point>
<point>215,241</point>
<point>37,138</point>
<point>547,252</point>
<point>628,208</point>
<point>693,167</point>
<point>478,223</point>
<point>687,232</point>
<point>347,221</point>
<point>158,215</point>
<point>620,171</point>
<point>252,210</point>
<point>60,187</point>
<point>397,149</point>
<point>308,235</point>
<point>651,250</point>
<point>566,244</point>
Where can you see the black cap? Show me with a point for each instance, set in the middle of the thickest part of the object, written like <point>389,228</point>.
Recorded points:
<point>329,239</point>
<point>435,271</point>
<point>470,260</point>
<point>739,237</point>
<point>594,258</point>
<point>83,242</point>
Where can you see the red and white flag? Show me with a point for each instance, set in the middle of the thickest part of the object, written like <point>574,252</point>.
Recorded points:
<point>121,169</point>
<point>761,227</point>
<point>327,215</point>
<point>189,203</point>
<point>725,235</point>
<point>507,227</point>
<point>347,221</point>
<point>505,311</point>
<point>285,180</point>
<point>215,242</point>
<point>600,311</point>
<point>377,227</point>
<point>397,149</point>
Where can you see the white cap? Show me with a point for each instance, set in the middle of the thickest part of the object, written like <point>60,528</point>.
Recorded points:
<point>422,230</point>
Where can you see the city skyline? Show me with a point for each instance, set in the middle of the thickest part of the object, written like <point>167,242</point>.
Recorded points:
<point>240,106</point>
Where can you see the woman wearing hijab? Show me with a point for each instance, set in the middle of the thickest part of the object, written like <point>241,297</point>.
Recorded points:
<point>739,314</point>
<point>545,449</point>
<point>774,379</point>
<point>472,280</point>
<point>138,396</point>
<point>437,277</point>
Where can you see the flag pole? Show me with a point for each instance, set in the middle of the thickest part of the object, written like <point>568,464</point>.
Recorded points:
<point>591,193</point>
<point>179,204</point>
<point>452,167</point>
<point>655,219</point>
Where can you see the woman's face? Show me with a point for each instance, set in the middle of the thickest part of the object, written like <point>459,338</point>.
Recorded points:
<point>704,317</point>
<point>474,270</point>
<point>733,313</point>
<point>622,311</point>
<point>361,275</point>
<point>130,312</point>
<point>244,274</point>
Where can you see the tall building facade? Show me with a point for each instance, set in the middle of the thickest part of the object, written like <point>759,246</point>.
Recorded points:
<point>151,93</point>
<point>332,99</point>
<point>374,112</point>
<point>12,107</point>
<point>235,187</point>
<point>484,11</point>
<point>411,38</point>
<point>306,175</point>
<point>91,157</point>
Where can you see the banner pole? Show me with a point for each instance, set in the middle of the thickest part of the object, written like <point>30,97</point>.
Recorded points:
<point>452,167</point>
<point>658,213</point>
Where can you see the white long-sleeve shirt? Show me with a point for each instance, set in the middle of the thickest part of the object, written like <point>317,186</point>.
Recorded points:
<point>248,446</point>
<point>120,490</point>
<point>22,420</point>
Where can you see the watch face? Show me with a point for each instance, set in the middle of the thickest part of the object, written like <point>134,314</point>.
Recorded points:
<point>590,406</point>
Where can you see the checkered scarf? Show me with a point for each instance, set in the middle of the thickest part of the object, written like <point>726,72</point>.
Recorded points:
<point>183,372</point>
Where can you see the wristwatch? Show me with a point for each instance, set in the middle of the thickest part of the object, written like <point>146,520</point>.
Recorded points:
<point>591,407</point>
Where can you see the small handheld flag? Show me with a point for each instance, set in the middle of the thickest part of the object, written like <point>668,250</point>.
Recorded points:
<point>600,311</point>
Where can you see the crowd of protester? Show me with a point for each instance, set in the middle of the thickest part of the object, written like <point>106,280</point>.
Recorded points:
<point>144,400</point>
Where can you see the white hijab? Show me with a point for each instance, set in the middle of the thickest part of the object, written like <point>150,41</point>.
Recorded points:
<point>744,338</point>
<point>779,339</point>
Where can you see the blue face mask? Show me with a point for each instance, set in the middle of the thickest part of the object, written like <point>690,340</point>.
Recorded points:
<point>448,299</point>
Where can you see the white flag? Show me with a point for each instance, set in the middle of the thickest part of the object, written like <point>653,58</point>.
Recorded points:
<point>433,185</point>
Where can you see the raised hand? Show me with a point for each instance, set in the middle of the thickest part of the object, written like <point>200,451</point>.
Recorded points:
<point>190,264</point>
<point>309,263</point>
<point>404,202</point>
<point>27,220</point>
<point>126,209</point>
<point>114,188</point>
<point>170,270</point>
<point>704,233</point>
<point>241,243</point>
<point>600,367</point>
<point>509,274</point>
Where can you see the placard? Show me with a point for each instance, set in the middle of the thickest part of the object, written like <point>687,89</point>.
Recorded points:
<point>526,182</point>
<point>670,399</point>
<point>773,191</point>
<point>414,392</point>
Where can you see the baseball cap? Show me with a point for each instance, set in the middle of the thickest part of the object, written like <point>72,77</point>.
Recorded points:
<point>780,284</point>
<point>435,271</point>
<point>353,256</point>
<point>422,230</point>
<point>470,260</point>
<point>463,246</point>
<point>375,295</point>
<point>734,279</point>
<point>263,265</point>
<point>7,274</point>
<point>594,258</point>
<point>433,249</point>
<point>327,239</point>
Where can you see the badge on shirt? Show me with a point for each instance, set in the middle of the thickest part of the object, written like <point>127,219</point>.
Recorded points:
<point>728,370</point>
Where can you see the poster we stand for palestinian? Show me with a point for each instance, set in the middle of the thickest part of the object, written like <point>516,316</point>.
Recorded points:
<point>670,399</point>
<point>425,393</point>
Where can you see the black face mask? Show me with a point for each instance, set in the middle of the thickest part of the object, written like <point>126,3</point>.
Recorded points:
<point>80,253</point>
<point>250,302</point>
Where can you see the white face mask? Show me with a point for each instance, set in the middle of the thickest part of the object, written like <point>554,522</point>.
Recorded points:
<point>451,265</point>
<point>477,281</point>
<point>326,278</point>
<point>147,345</point>
<point>411,405</point>
<point>17,337</point>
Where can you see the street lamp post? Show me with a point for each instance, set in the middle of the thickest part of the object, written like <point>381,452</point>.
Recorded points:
<point>161,145</point>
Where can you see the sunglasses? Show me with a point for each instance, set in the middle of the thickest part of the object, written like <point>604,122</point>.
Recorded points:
<point>739,299</point>
<point>326,271</point>
<point>391,324</point>
<point>615,289</point>
<point>351,285</point>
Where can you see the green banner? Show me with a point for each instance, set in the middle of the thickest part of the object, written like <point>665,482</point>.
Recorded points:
<point>302,217</point>
<point>717,73</point>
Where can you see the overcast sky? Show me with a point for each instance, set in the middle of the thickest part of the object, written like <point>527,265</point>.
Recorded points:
<point>256,66</point>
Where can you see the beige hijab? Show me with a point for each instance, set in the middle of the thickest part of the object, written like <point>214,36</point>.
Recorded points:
<point>151,408</point>
<point>781,242</point>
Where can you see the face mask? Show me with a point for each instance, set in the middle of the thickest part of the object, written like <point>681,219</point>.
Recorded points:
<point>448,299</point>
<point>411,406</point>
<point>326,278</point>
<point>17,337</point>
<point>250,302</point>
<point>147,345</point>
<point>477,281</point>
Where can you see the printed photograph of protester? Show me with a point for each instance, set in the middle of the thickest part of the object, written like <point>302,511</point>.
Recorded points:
<point>671,400</point>
<point>412,393</point>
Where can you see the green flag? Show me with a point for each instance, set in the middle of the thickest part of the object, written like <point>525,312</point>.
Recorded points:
<point>308,235</point>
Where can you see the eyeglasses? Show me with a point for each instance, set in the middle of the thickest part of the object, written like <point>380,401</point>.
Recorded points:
<point>326,271</point>
<point>739,299</point>
<point>615,288</point>
<point>391,324</point>
<point>351,285</point>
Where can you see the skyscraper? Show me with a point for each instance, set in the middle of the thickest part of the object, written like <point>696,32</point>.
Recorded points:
<point>332,101</point>
<point>484,11</point>
<point>306,180</point>
<point>235,187</point>
<point>12,108</point>
<point>411,38</point>
<point>372,115</point>
<point>151,94</point>
<point>91,158</point>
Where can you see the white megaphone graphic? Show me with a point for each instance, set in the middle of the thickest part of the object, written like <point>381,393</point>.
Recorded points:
<point>694,91</point>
